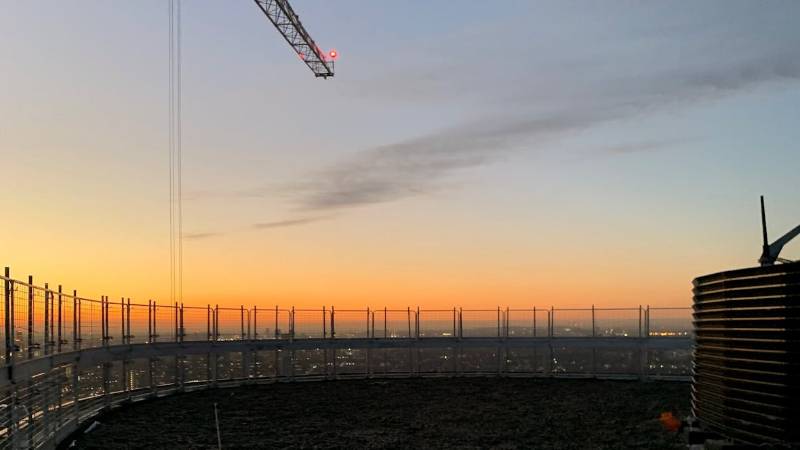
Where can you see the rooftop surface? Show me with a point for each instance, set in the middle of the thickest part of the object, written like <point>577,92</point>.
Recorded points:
<point>407,413</point>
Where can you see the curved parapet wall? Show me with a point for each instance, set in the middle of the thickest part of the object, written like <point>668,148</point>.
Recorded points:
<point>746,382</point>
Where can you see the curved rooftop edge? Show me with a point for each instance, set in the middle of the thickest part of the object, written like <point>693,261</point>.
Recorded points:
<point>48,398</point>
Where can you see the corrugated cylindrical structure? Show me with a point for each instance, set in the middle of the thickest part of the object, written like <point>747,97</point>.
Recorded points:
<point>746,382</point>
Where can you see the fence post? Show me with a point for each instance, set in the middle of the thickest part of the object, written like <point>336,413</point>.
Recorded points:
<point>155,324</point>
<point>460,323</point>
<point>107,336</point>
<point>291,334</point>
<point>216,329</point>
<point>507,320</point>
<point>30,316</point>
<point>75,319</point>
<point>80,323</point>
<point>175,312</point>
<point>128,315</point>
<point>46,342</point>
<point>498,322</point>
<point>593,326</point>
<point>640,320</point>
<point>122,320</point>
<point>368,322</point>
<point>552,321</point>
<point>52,322</point>
<point>9,316</point>
<point>417,321</point>
<point>647,322</point>
<point>102,321</point>
<point>385,318</point>
<point>408,312</point>
<point>333,324</point>
<point>255,322</point>
<point>149,321</point>
<point>534,321</point>
<point>181,326</point>
<point>241,321</point>
<point>108,330</point>
<point>373,324</point>
<point>59,319</point>
<point>455,330</point>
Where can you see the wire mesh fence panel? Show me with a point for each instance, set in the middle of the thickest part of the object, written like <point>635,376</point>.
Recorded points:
<point>90,323</point>
<point>196,323</point>
<point>116,377</point>
<point>571,322</point>
<point>195,368</point>
<point>310,362</point>
<point>482,323</point>
<point>667,322</point>
<point>311,323</point>
<point>165,323</point>
<point>672,362</point>
<point>139,373</point>
<point>265,363</point>
<point>269,323</point>
<point>532,360</point>
<point>24,343</point>
<point>350,324</point>
<point>392,323</point>
<point>351,361</point>
<point>480,359</point>
<point>164,370</point>
<point>571,360</point>
<point>397,360</point>
<point>116,321</point>
<point>65,335</point>
<point>19,315</point>
<point>90,382</point>
<point>138,323</point>
<point>616,361</point>
<point>436,360</point>
<point>377,361</point>
<point>438,323</point>
<point>230,324</point>
<point>230,366</point>
<point>619,322</point>
<point>521,323</point>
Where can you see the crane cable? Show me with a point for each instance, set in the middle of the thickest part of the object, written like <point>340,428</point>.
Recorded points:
<point>175,155</point>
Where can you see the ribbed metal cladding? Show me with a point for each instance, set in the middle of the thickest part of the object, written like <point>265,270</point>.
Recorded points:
<point>746,382</point>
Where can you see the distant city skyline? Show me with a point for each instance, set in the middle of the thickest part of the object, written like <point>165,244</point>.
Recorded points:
<point>534,153</point>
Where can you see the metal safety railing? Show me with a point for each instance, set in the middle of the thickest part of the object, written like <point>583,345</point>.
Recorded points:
<point>41,320</point>
<point>68,357</point>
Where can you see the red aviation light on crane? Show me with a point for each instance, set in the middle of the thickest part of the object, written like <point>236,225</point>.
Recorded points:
<point>333,54</point>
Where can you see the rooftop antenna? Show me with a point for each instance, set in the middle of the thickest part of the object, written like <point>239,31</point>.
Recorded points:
<point>770,252</point>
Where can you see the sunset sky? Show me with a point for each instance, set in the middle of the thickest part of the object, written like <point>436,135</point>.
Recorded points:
<point>465,154</point>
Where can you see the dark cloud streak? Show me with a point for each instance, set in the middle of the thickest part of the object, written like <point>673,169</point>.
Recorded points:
<point>289,222</point>
<point>397,171</point>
